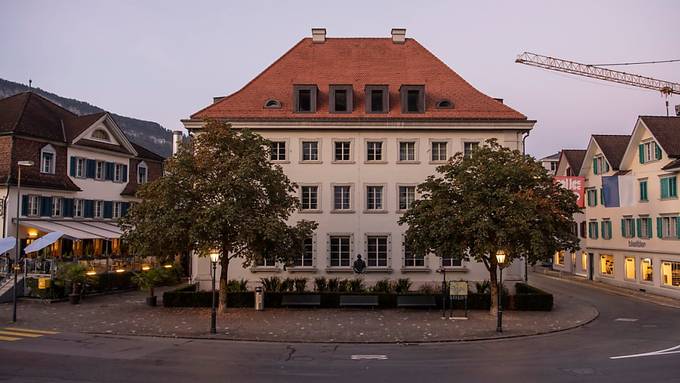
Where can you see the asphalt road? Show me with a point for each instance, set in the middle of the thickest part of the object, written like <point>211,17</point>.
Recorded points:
<point>625,327</point>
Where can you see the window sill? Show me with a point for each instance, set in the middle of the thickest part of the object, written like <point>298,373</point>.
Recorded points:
<point>342,162</point>
<point>310,162</point>
<point>351,211</point>
<point>611,276</point>
<point>382,211</point>
<point>302,269</point>
<point>408,162</point>
<point>436,162</point>
<point>369,162</point>
<point>416,269</point>
<point>279,161</point>
<point>337,269</point>
<point>265,269</point>
<point>310,211</point>
<point>454,269</point>
<point>376,269</point>
<point>669,199</point>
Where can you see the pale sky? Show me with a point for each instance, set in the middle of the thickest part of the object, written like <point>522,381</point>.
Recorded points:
<point>163,60</point>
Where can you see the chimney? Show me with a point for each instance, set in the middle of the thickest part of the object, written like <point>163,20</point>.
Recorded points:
<point>398,35</point>
<point>176,141</point>
<point>319,35</point>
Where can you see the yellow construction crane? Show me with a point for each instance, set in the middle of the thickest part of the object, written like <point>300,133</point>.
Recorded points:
<point>666,88</point>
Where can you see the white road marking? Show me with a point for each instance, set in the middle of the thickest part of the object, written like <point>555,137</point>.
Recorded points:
<point>369,357</point>
<point>672,350</point>
<point>625,320</point>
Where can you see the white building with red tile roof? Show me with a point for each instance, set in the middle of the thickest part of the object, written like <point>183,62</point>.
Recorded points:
<point>358,123</point>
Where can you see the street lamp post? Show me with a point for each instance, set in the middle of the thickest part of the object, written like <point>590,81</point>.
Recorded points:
<point>18,243</point>
<point>500,259</point>
<point>214,257</point>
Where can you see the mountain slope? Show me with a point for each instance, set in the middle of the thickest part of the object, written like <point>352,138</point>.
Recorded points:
<point>148,134</point>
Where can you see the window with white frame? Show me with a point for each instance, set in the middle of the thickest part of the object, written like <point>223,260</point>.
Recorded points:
<point>117,210</point>
<point>142,173</point>
<point>374,151</point>
<point>407,151</point>
<point>669,227</point>
<point>277,151</point>
<point>101,134</point>
<point>78,208</point>
<point>342,150</point>
<point>47,159</point>
<point>340,251</point>
<point>591,195</point>
<point>310,150</point>
<point>80,167</point>
<point>412,260</point>
<point>57,204</point>
<point>306,259</point>
<point>628,227</point>
<point>593,230</point>
<point>600,165</point>
<point>374,197</point>
<point>118,173</point>
<point>452,261</point>
<point>309,197</point>
<point>33,205</point>
<point>341,197</point>
<point>265,261</point>
<point>407,194</point>
<point>468,147</point>
<point>649,151</point>
<point>100,170</point>
<point>98,209</point>
<point>439,151</point>
<point>376,251</point>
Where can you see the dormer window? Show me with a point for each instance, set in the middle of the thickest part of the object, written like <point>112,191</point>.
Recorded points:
<point>142,173</point>
<point>412,98</point>
<point>101,135</point>
<point>341,97</point>
<point>600,165</point>
<point>305,98</point>
<point>649,151</point>
<point>272,104</point>
<point>377,99</point>
<point>444,104</point>
<point>47,159</point>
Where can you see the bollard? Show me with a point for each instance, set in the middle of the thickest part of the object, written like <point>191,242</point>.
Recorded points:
<point>259,299</point>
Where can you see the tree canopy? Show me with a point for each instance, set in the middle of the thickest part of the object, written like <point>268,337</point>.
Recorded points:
<point>220,191</point>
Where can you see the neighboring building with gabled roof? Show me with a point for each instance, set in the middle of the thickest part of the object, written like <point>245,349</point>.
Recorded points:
<point>84,175</point>
<point>358,123</point>
<point>550,162</point>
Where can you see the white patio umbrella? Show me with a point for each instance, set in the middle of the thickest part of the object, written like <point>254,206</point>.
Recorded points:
<point>7,244</point>
<point>43,241</point>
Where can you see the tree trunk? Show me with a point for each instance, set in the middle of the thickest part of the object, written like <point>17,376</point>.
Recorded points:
<point>224,278</point>
<point>493,281</point>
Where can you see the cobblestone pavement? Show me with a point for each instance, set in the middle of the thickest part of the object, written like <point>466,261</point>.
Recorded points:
<point>126,314</point>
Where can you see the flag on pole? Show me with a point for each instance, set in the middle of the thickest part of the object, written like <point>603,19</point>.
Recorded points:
<point>618,191</point>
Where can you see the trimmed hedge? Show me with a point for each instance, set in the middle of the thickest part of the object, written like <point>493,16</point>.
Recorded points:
<point>529,298</point>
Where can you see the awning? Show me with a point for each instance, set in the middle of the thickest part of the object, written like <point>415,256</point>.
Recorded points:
<point>7,244</point>
<point>100,229</point>
<point>76,232</point>
<point>113,230</point>
<point>43,241</point>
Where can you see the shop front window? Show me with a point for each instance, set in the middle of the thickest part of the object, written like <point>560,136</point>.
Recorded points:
<point>670,273</point>
<point>630,268</point>
<point>606,264</point>
<point>646,270</point>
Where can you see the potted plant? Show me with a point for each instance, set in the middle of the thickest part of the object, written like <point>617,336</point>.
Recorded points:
<point>75,275</point>
<point>148,280</point>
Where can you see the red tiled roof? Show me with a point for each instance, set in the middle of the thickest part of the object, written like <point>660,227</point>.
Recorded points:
<point>359,62</point>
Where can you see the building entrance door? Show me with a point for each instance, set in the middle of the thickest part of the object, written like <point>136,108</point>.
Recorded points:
<point>590,266</point>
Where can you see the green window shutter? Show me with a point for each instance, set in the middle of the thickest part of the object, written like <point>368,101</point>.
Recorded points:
<point>659,229</point>
<point>673,186</point>
<point>657,151</point>
<point>609,229</point>
<point>641,153</point>
<point>623,228</point>
<point>602,197</point>
<point>643,191</point>
<point>638,226</point>
<point>595,166</point>
<point>603,230</point>
<point>664,187</point>
<point>594,197</point>
<point>649,226</point>
<point>677,227</point>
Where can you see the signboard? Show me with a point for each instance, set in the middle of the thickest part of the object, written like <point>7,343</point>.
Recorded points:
<point>576,185</point>
<point>43,283</point>
<point>459,288</point>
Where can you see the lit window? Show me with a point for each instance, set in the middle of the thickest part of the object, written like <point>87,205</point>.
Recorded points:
<point>607,264</point>
<point>630,268</point>
<point>439,151</point>
<point>407,151</point>
<point>376,251</point>
<point>559,258</point>
<point>309,198</point>
<point>374,151</point>
<point>584,261</point>
<point>374,198</point>
<point>47,159</point>
<point>310,151</point>
<point>646,270</point>
<point>277,151</point>
<point>407,194</point>
<point>340,251</point>
<point>670,273</point>
<point>142,173</point>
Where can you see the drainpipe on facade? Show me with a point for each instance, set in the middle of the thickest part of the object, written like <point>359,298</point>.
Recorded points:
<point>526,260</point>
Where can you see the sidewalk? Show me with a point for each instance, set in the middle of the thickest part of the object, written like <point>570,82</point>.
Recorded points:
<point>126,314</point>
<point>635,294</point>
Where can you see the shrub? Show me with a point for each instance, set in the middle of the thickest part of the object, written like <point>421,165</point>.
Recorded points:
<point>483,287</point>
<point>237,286</point>
<point>402,286</point>
<point>530,298</point>
<point>320,284</point>
<point>356,285</point>
<point>271,284</point>
<point>430,288</point>
<point>343,286</point>
<point>333,284</point>
<point>300,285</point>
<point>287,284</point>
<point>382,286</point>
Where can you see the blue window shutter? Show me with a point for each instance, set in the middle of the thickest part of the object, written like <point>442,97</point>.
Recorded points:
<point>124,208</point>
<point>73,166</point>
<point>657,151</point>
<point>89,208</point>
<point>109,171</point>
<point>24,205</point>
<point>595,166</point>
<point>125,171</point>
<point>108,209</point>
<point>641,153</point>
<point>90,168</point>
<point>45,206</point>
<point>659,228</point>
<point>68,207</point>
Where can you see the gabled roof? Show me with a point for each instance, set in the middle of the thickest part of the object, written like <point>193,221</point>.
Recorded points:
<point>552,157</point>
<point>33,115</point>
<point>574,158</point>
<point>613,147</point>
<point>666,130</point>
<point>147,154</point>
<point>76,126</point>
<point>358,62</point>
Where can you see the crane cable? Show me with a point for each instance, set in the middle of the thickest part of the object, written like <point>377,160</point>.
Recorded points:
<point>637,63</point>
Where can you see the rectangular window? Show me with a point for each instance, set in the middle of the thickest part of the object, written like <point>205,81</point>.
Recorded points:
<point>265,261</point>
<point>593,230</point>
<point>78,208</point>
<point>644,227</point>
<point>117,211</point>
<point>100,170</point>
<point>628,227</point>
<point>600,165</point>
<point>670,273</point>
<point>340,251</point>
<point>407,151</point>
<point>377,100</point>
<point>374,151</point>
<point>307,257</point>
<point>468,147</point>
<point>310,196</point>
<point>407,194</point>
<point>606,264</point>
<point>342,150</point>
<point>630,268</point>
<point>439,151</point>
<point>376,251</point>
<point>451,261</point>
<point>606,228</point>
<point>649,151</point>
<point>412,98</point>
<point>341,197</point>
<point>277,151</point>
<point>33,205</point>
<point>643,191</point>
<point>374,198</point>
<point>57,204</point>
<point>592,197</point>
<point>47,163</point>
<point>584,261</point>
<point>559,258</point>
<point>341,98</point>
<point>98,209</point>
<point>646,270</point>
<point>118,173</point>
<point>141,175</point>
<point>669,227</point>
<point>412,260</point>
<point>305,98</point>
<point>80,167</point>
<point>310,151</point>
<point>669,187</point>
